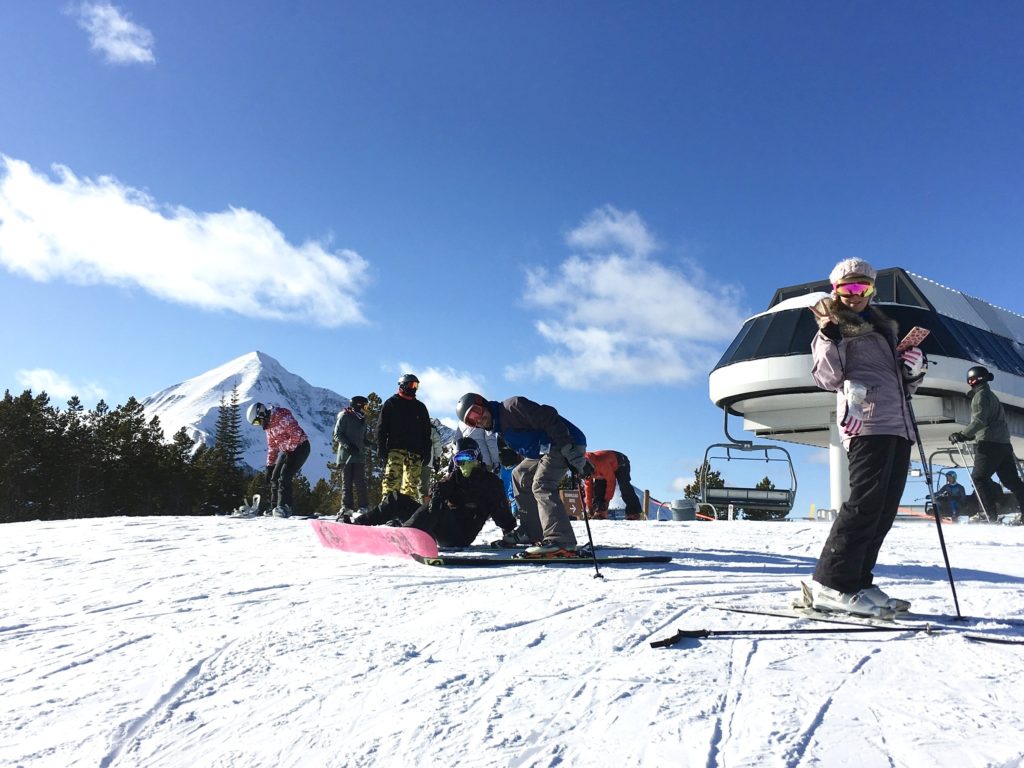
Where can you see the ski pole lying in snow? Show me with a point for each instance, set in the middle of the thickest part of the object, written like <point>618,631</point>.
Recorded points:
<point>700,634</point>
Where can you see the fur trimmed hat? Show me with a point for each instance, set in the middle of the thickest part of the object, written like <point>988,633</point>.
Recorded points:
<point>848,268</point>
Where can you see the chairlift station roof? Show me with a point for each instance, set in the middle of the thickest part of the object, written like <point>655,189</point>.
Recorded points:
<point>765,374</point>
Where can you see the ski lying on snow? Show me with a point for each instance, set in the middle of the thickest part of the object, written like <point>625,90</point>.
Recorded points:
<point>901,622</point>
<point>446,561</point>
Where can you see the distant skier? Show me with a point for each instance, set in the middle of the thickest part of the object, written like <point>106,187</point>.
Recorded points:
<point>459,504</point>
<point>287,451</point>
<point>994,453</point>
<point>854,353</point>
<point>403,438</point>
<point>951,497</point>
<point>349,441</point>
<point>550,444</point>
<point>610,467</point>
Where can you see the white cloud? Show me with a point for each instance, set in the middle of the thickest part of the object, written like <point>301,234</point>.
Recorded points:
<point>111,33</point>
<point>58,387</point>
<point>608,229</point>
<point>91,232</point>
<point>617,319</point>
<point>441,388</point>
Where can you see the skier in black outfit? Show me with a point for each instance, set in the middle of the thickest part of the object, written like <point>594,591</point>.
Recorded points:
<point>459,505</point>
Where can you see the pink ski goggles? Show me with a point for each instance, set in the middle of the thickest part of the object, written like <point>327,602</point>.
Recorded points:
<point>864,289</point>
<point>473,415</point>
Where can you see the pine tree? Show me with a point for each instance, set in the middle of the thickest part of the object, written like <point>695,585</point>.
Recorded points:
<point>713,479</point>
<point>755,513</point>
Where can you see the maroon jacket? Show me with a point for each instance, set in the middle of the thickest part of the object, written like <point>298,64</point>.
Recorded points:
<point>283,434</point>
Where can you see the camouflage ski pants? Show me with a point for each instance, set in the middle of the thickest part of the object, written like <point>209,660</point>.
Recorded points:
<point>402,473</point>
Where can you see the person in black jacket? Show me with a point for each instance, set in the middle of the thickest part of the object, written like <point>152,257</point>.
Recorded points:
<point>403,436</point>
<point>349,440</point>
<point>459,505</point>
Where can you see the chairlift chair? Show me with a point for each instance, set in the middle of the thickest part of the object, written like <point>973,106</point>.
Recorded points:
<point>771,503</point>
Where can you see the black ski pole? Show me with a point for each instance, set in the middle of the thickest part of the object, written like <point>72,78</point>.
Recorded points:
<point>931,492</point>
<point>577,480</point>
<point>977,491</point>
<point>700,634</point>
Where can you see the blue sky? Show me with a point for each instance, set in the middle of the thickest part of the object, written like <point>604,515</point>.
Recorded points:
<point>575,201</point>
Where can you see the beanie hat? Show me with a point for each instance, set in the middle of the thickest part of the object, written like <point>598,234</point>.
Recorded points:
<point>844,270</point>
<point>466,444</point>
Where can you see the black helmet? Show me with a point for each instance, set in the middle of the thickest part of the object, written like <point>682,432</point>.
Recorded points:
<point>408,384</point>
<point>468,402</point>
<point>358,402</point>
<point>978,374</point>
<point>951,476</point>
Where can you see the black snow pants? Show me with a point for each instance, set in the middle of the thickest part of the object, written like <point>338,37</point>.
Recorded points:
<point>878,474</point>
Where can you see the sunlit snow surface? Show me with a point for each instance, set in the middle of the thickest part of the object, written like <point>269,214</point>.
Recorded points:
<point>219,642</point>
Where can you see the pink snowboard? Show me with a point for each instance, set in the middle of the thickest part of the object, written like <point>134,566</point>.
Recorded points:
<point>375,539</point>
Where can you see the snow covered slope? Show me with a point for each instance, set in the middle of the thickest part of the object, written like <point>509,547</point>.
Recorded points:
<point>198,641</point>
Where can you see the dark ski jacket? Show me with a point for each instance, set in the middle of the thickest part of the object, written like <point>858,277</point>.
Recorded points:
<point>988,420</point>
<point>531,429</point>
<point>459,507</point>
<point>350,437</point>
<point>404,424</point>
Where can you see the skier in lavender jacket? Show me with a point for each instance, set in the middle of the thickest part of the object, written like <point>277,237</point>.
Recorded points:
<point>855,356</point>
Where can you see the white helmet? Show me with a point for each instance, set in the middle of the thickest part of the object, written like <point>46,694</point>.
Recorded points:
<point>257,413</point>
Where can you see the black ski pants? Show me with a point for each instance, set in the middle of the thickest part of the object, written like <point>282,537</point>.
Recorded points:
<point>281,474</point>
<point>996,458</point>
<point>878,474</point>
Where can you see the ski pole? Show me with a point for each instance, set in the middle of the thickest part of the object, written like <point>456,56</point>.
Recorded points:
<point>700,634</point>
<point>977,491</point>
<point>577,480</point>
<point>931,490</point>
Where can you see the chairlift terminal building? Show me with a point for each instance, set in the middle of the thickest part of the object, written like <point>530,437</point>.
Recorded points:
<point>765,374</point>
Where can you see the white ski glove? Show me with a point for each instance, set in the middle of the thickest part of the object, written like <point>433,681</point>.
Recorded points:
<point>915,364</point>
<point>853,416</point>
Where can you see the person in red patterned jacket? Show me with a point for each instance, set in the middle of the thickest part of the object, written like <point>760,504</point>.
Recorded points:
<point>287,451</point>
<point>610,467</point>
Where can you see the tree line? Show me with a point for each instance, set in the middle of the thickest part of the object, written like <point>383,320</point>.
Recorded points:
<point>59,463</point>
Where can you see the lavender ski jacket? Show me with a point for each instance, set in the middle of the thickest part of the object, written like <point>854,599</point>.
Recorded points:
<point>863,349</point>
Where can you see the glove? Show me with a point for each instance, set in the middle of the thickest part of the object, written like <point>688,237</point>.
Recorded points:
<point>958,437</point>
<point>823,317</point>
<point>853,415</point>
<point>915,363</point>
<point>508,457</point>
<point>576,455</point>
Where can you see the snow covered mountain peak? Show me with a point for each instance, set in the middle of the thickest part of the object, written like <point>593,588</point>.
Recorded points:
<point>257,376</point>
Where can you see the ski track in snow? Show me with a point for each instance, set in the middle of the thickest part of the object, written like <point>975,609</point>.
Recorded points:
<point>183,642</point>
